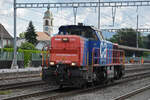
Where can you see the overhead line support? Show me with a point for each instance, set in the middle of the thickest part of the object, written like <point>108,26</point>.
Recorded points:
<point>84,4</point>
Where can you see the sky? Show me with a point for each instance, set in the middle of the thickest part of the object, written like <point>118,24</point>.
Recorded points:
<point>125,16</point>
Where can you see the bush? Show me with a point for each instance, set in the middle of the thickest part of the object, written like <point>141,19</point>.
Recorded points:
<point>8,49</point>
<point>146,54</point>
<point>28,55</point>
<point>27,46</point>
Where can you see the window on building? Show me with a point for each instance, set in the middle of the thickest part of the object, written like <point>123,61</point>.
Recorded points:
<point>46,22</point>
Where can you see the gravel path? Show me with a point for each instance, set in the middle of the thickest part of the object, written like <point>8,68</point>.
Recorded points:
<point>111,92</point>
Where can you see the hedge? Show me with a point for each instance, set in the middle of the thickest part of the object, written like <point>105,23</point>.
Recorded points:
<point>27,54</point>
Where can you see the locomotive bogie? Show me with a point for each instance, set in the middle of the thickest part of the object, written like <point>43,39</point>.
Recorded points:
<point>64,75</point>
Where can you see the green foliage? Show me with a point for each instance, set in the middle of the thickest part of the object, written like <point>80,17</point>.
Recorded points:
<point>127,37</point>
<point>8,49</point>
<point>22,35</point>
<point>5,92</point>
<point>146,54</point>
<point>27,58</point>
<point>27,46</point>
<point>148,42</point>
<point>30,34</point>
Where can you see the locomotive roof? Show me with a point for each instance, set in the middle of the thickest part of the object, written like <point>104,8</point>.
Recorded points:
<point>75,26</point>
<point>65,27</point>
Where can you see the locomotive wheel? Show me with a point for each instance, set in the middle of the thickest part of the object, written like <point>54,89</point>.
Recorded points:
<point>106,81</point>
<point>60,86</point>
<point>112,80</point>
<point>84,86</point>
<point>116,74</point>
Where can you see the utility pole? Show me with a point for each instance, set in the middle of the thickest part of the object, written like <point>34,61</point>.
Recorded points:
<point>14,62</point>
<point>99,14</point>
<point>1,31</point>
<point>137,35</point>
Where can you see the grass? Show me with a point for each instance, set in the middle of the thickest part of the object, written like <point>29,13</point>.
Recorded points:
<point>5,92</point>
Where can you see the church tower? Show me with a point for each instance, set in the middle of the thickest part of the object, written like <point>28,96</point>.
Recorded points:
<point>48,22</point>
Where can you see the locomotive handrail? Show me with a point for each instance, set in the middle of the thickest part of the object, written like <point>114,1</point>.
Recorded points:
<point>47,58</point>
<point>93,57</point>
<point>43,57</point>
<point>109,59</point>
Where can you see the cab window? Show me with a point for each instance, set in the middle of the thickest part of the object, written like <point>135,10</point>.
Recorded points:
<point>84,32</point>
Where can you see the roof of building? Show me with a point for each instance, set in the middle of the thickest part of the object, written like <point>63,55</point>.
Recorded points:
<point>4,33</point>
<point>42,36</point>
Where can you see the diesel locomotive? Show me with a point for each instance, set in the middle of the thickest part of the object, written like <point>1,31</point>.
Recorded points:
<point>79,55</point>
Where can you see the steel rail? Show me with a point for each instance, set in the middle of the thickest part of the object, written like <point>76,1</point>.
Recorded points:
<point>31,95</point>
<point>75,92</point>
<point>134,77</point>
<point>136,70</point>
<point>21,85</point>
<point>23,76</point>
<point>39,82</point>
<point>132,93</point>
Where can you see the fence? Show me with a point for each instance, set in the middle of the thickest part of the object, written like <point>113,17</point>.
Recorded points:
<point>9,56</point>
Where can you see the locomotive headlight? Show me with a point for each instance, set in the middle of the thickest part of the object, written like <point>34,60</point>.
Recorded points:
<point>65,39</point>
<point>52,63</point>
<point>40,74</point>
<point>73,64</point>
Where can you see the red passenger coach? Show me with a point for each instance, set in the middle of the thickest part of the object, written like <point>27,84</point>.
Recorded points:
<point>67,49</point>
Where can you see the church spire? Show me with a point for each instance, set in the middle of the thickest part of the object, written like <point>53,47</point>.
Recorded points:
<point>48,22</point>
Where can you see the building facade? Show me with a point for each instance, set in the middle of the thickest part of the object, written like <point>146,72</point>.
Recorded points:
<point>5,37</point>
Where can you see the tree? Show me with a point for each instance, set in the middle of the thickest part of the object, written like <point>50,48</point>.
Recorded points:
<point>148,42</point>
<point>30,34</point>
<point>128,37</point>
<point>27,46</point>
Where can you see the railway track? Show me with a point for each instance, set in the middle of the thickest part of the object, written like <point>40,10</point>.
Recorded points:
<point>49,94</point>
<point>38,82</point>
<point>133,66</point>
<point>136,69</point>
<point>21,85</point>
<point>132,93</point>
<point>37,75</point>
<point>25,76</point>
<point>128,70</point>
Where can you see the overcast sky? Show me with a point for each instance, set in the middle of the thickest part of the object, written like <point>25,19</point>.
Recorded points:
<point>125,16</point>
